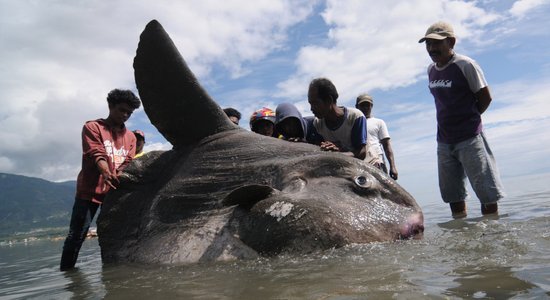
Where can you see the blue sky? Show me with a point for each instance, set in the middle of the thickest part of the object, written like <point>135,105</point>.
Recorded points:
<point>60,59</point>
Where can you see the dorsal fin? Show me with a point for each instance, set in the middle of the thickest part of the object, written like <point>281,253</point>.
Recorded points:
<point>172,98</point>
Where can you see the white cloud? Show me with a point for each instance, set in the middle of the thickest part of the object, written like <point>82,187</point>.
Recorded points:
<point>60,59</point>
<point>6,165</point>
<point>230,33</point>
<point>157,146</point>
<point>523,7</point>
<point>523,99</point>
<point>374,45</point>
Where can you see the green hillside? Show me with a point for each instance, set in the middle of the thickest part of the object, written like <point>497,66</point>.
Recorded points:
<point>28,203</point>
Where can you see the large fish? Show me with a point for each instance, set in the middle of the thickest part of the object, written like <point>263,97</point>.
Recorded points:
<point>226,193</point>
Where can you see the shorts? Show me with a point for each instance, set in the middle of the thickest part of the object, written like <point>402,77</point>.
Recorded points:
<point>471,158</point>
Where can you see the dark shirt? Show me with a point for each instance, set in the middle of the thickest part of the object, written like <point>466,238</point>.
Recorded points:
<point>453,87</point>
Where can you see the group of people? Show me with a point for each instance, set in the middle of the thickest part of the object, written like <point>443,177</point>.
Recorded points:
<point>456,82</point>
<point>352,131</point>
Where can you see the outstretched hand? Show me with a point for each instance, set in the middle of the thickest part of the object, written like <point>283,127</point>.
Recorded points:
<point>110,179</point>
<point>329,146</point>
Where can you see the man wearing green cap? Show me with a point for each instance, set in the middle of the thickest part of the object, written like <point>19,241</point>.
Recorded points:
<point>461,95</point>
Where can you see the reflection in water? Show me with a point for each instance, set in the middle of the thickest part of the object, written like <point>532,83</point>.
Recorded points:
<point>79,285</point>
<point>485,258</point>
<point>491,283</point>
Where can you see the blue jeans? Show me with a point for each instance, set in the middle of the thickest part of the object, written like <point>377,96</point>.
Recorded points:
<point>83,214</point>
<point>471,158</point>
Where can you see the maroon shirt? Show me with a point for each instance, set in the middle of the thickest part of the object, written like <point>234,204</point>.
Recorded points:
<point>116,146</point>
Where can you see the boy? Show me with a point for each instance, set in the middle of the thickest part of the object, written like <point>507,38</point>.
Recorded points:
<point>107,147</point>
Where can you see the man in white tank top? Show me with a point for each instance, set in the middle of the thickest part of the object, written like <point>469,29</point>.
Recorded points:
<point>343,129</point>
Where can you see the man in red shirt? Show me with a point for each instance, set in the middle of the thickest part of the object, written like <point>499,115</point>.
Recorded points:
<point>107,147</point>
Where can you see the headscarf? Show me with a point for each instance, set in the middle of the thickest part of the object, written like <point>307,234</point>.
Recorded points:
<point>288,110</point>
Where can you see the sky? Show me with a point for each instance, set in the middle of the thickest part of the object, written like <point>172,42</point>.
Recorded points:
<point>59,59</point>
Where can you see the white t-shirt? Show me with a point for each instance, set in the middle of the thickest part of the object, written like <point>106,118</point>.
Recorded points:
<point>376,131</point>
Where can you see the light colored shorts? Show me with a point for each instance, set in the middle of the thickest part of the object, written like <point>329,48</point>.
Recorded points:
<point>471,158</point>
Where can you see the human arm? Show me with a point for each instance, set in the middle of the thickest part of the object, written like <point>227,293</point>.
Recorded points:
<point>359,153</point>
<point>93,144</point>
<point>359,137</point>
<point>93,147</point>
<point>478,84</point>
<point>388,151</point>
<point>483,97</point>
<point>110,178</point>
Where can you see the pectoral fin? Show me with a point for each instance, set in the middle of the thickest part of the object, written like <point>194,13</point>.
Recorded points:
<point>248,195</point>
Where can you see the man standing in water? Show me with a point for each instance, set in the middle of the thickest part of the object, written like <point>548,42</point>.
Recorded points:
<point>107,147</point>
<point>461,95</point>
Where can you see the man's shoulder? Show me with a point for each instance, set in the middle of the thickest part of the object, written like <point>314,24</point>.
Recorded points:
<point>97,124</point>
<point>316,121</point>
<point>462,63</point>
<point>430,67</point>
<point>460,59</point>
<point>459,56</point>
<point>376,121</point>
<point>354,113</point>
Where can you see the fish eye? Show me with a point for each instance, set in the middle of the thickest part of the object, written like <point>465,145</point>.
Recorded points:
<point>296,185</point>
<point>362,181</point>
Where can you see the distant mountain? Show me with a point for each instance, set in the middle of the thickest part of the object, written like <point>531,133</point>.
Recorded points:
<point>28,203</point>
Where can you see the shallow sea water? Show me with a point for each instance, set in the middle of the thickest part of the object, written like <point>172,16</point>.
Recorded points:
<point>503,257</point>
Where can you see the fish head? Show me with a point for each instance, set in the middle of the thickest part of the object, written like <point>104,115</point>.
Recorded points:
<point>325,201</point>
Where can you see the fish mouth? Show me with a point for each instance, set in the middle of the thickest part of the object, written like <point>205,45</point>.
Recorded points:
<point>413,228</point>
